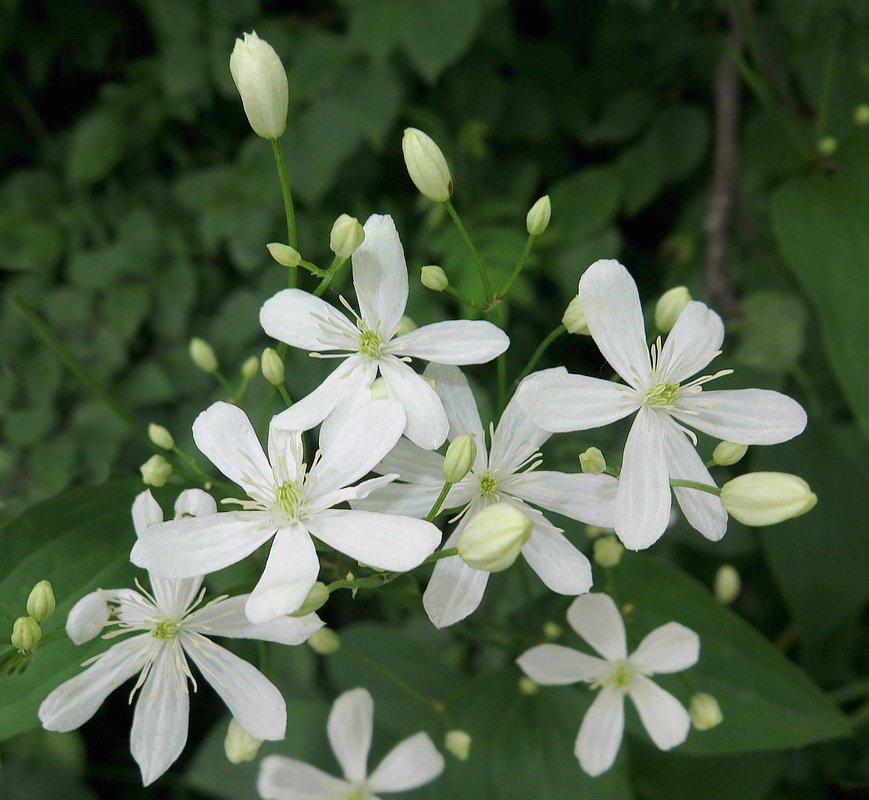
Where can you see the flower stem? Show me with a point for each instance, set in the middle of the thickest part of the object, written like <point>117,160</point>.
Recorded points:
<point>703,487</point>
<point>382,578</point>
<point>521,263</point>
<point>292,238</point>
<point>330,273</point>
<point>487,288</point>
<point>532,362</point>
<point>439,502</point>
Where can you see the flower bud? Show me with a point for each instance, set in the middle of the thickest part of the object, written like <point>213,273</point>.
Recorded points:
<point>765,498</point>
<point>317,596</point>
<point>592,461</point>
<point>593,531</point>
<point>458,743</point>
<point>426,165</point>
<point>669,306</point>
<point>552,630</point>
<point>491,541</point>
<point>460,458</point>
<point>528,686</point>
<point>861,114</point>
<point>727,584</point>
<point>262,83</point>
<point>346,236</point>
<point>160,436</point>
<point>434,278</point>
<point>239,745</point>
<point>250,368</point>
<point>727,453</point>
<point>537,219</point>
<point>828,145</point>
<point>156,471</point>
<point>41,602</point>
<point>26,634</point>
<point>285,255</point>
<point>272,367</point>
<point>608,551</point>
<point>203,356</point>
<point>574,318</point>
<point>704,711</point>
<point>325,642</point>
<point>405,325</point>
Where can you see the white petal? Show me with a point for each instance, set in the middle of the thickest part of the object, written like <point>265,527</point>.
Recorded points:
<point>583,497</point>
<point>290,572</point>
<point>670,648</point>
<point>693,342</point>
<point>413,464</point>
<point>383,541</point>
<point>411,763</point>
<point>596,618</point>
<point>87,618</point>
<point>459,403</point>
<point>286,453</point>
<point>600,734</point>
<point>643,494</point>
<point>744,416</point>
<point>146,511</point>
<point>194,503</point>
<point>612,309</point>
<point>283,778</point>
<point>515,439</point>
<point>558,401</point>
<point>174,596</point>
<point>453,342</point>
<point>74,702</point>
<point>159,730</point>
<point>664,717</point>
<point>554,665</point>
<point>400,498</point>
<point>224,434</point>
<point>251,698</point>
<point>380,275</point>
<point>454,590</point>
<point>302,320</point>
<point>427,424</point>
<point>562,567</point>
<point>350,724</point>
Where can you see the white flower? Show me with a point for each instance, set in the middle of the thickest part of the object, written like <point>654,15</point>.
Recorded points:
<point>369,343</point>
<point>506,473</point>
<point>291,503</point>
<point>659,446</point>
<point>412,763</point>
<point>171,631</point>
<point>670,648</point>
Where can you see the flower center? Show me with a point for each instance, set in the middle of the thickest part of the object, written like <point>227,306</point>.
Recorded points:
<point>165,628</point>
<point>370,344</point>
<point>289,496</point>
<point>357,793</point>
<point>620,676</point>
<point>662,394</point>
<point>488,483</point>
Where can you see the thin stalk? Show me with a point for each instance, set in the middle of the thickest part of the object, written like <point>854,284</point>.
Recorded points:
<point>676,482</point>
<point>330,273</point>
<point>532,362</point>
<point>521,263</point>
<point>382,578</point>
<point>439,502</point>
<point>487,288</point>
<point>292,238</point>
<point>826,85</point>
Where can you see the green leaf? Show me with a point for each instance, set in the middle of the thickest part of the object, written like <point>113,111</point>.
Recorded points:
<point>96,146</point>
<point>375,26</point>
<point>436,33</point>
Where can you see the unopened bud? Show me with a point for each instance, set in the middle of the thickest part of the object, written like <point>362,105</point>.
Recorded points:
<point>156,471</point>
<point>285,255</point>
<point>593,531</point>
<point>608,551</point>
<point>460,458</point>
<point>704,711</point>
<point>239,745</point>
<point>828,145</point>
<point>250,368</point>
<point>552,630</point>
<point>426,165</point>
<point>261,81</point>
<point>459,744</point>
<point>592,461</point>
<point>727,584</point>
<point>765,498</point>
<point>272,367</point>
<point>160,436</point>
<point>405,325</point>
<point>528,686</point>
<point>861,114</point>
<point>41,602</point>
<point>537,219</point>
<point>669,306</point>
<point>346,236</point>
<point>434,278</point>
<point>203,356</point>
<point>26,634</point>
<point>325,642</point>
<point>574,318</point>
<point>727,453</point>
<point>492,540</point>
<point>318,595</point>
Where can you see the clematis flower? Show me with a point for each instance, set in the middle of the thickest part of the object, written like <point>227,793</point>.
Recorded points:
<point>412,763</point>
<point>291,503</point>
<point>506,473</point>
<point>370,343</point>
<point>171,629</point>
<point>670,648</point>
<point>659,446</point>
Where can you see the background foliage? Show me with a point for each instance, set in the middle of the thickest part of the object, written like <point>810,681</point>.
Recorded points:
<point>134,208</point>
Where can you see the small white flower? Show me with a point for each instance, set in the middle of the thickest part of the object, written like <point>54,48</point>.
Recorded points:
<point>171,631</point>
<point>371,343</point>
<point>291,503</point>
<point>659,446</point>
<point>670,648</point>
<point>412,763</point>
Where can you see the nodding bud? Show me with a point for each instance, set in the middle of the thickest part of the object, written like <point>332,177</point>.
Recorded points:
<point>285,255</point>
<point>727,453</point>
<point>592,461</point>
<point>574,318</point>
<point>426,165</point>
<point>608,551</point>
<point>727,584</point>
<point>325,642</point>
<point>155,471</point>
<point>458,742</point>
<point>160,436</point>
<point>317,596</point>
<point>273,367</point>
<point>669,306</point>
<point>704,711</point>
<point>41,602</point>
<point>460,458</point>
<point>203,355</point>
<point>765,498</point>
<point>492,540</point>
<point>26,634</point>
<point>239,745</point>
<point>537,219</point>
<point>434,278</point>
<point>346,236</point>
<point>250,368</point>
<point>261,81</point>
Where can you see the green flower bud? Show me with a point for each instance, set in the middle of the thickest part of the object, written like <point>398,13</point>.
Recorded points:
<point>460,458</point>
<point>285,255</point>
<point>156,471</point>
<point>434,278</point>
<point>704,711</point>
<point>272,367</point>
<point>315,599</point>
<point>492,540</point>
<point>537,219</point>
<point>203,356</point>
<point>593,531</point>
<point>552,630</point>
<point>426,165</point>
<point>239,745</point>
<point>458,743</point>
<point>26,634</point>
<point>765,498</point>
<point>250,368</point>
<point>574,318</point>
<point>160,436</point>
<point>528,686</point>
<point>346,236</point>
<point>608,551</point>
<point>41,602</point>
<point>325,642</point>
<point>405,325</point>
<point>592,461</point>
<point>727,453</point>
<point>727,584</point>
<point>262,83</point>
<point>669,306</point>
<point>861,114</point>
<point>828,145</point>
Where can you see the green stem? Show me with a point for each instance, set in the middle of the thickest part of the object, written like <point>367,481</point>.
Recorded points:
<point>382,578</point>
<point>439,502</point>
<point>487,288</point>
<point>852,691</point>
<point>521,263</point>
<point>676,482</point>
<point>823,106</point>
<point>330,273</point>
<point>471,303</point>
<point>218,375</point>
<point>292,238</point>
<point>532,362</point>
<point>283,391</point>
<point>6,611</point>
<point>190,462</point>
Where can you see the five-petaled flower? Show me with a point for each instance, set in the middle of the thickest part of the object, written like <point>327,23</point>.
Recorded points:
<point>171,630</point>
<point>658,447</point>
<point>670,648</point>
